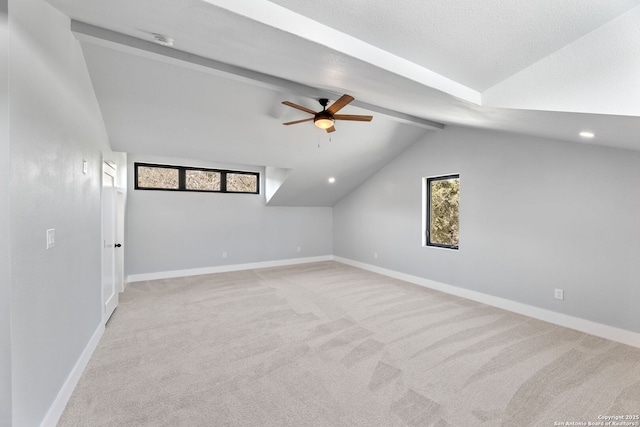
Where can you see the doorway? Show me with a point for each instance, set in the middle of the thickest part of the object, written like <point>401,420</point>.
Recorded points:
<point>109,228</point>
<point>119,261</point>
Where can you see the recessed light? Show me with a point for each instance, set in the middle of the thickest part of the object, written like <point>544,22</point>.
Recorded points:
<point>586,134</point>
<point>332,180</point>
<point>163,40</point>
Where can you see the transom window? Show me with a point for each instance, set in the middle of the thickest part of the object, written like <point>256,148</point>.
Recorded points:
<point>183,178</point>
<point>442,204</point>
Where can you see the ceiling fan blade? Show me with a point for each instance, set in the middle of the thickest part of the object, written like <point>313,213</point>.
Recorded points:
<point>298,121</point>
<point>336,106</point>
<point>352,117</point>
<point>331,129</point>
<point>299,107</point>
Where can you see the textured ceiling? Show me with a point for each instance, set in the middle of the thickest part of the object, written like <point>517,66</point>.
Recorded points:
<point>539,68</point>
<point>477,43</point>
<point>162,109</point>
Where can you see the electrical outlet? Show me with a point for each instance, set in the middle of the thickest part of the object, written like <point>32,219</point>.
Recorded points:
<point>224,254</point>
<point>298,249</point>
<point>375,255</point>
<point>51,238</point>
<point>559,294</point>
<point>85,167</point>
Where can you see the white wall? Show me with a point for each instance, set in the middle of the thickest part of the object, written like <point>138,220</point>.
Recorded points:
<point>535,215</point>
<point>5,235</point>
<point>55,124</point>
<point>169,231</point>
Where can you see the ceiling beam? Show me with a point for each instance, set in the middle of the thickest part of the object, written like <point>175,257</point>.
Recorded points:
<point>103,37</point>
<point>283,19</point>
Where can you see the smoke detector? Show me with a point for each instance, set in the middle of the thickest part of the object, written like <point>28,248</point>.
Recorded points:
<point>162,40</point>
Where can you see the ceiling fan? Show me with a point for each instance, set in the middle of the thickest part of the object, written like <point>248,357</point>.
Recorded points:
<point>325,119</point>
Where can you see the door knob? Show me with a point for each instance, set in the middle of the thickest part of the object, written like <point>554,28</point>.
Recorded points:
<point>117,245</point>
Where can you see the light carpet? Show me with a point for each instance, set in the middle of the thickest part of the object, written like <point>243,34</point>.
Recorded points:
<point>326,344</point>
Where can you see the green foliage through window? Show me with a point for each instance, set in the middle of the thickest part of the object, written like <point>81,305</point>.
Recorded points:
<point>443,198</point>
<point>183,178</point>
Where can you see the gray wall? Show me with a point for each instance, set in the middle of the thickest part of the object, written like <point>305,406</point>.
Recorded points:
<point>169,231</point>
<point>535,215</point>
<point>5,238</point>
<point>55,124</point>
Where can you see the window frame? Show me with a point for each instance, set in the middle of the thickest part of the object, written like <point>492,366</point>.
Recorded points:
<point>182,182</point>
<point>427,211</point>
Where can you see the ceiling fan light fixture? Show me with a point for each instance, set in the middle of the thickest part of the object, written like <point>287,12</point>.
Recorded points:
<point>326,118</point>
<point>323,121</point>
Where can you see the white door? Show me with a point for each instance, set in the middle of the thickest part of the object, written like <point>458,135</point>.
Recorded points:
<point>109,291</point>
<point>119,262</point>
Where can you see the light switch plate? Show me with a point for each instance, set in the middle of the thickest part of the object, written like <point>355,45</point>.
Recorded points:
<point>85,167</point>
<point>51,238</point>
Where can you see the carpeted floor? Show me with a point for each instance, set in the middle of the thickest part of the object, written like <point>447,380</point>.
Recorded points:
<point>326,344</point>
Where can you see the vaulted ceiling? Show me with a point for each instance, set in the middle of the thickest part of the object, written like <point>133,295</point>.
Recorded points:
<point>547,68</point>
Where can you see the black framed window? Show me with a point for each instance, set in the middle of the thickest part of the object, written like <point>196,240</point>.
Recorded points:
<point>442,211</point>
<point>150,176</point>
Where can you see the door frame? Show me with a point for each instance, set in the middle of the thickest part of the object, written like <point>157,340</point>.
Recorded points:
<point>121,201</point>
<point>108,168</point>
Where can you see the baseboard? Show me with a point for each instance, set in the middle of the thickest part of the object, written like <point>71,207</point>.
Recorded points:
<point>587,326</point>
<point>223,268</point>
<point>61,400</point>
